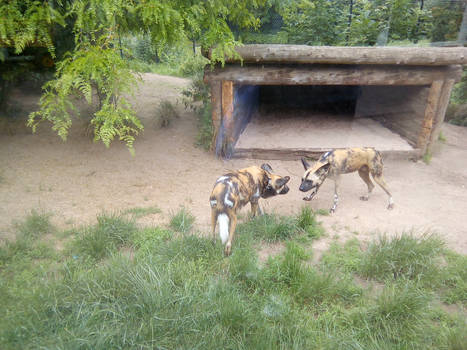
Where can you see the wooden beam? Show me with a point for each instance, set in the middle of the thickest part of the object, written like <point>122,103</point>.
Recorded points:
<point>333,75</point>
<point>227,117</point>
<point>441,111</point>
<point>418,56</point>
<point>430,112</point>
<point>313,153</point>
<point>216,113</point>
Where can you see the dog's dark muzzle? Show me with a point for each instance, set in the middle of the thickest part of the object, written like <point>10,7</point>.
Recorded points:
<point>305,186</point>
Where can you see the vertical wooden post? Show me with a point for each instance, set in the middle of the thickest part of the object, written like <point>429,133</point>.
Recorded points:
<point>441,111</point>
<point>430,113</point>
<point>227,117</point>
<point>216,113</point>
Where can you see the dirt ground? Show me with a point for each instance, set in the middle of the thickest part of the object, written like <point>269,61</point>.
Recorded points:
<point>312,130</point>
<point>78,179</point>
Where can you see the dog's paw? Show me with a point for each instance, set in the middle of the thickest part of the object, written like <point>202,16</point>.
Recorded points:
<point>391,206</point>
<point>364,198</point>
<point>332,211</point>
<point>228,249</point>
<point>307,198</point>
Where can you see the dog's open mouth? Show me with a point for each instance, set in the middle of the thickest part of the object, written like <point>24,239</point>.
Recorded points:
<point>314,190</point>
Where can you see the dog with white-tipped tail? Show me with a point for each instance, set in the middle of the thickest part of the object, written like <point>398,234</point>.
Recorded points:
<point>234,190</point>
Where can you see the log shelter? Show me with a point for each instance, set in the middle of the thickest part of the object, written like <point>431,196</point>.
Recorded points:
<point>288,101</point>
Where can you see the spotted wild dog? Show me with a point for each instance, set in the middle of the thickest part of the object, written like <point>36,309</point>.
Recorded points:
<point>343,161</point>
<point>234,190</point>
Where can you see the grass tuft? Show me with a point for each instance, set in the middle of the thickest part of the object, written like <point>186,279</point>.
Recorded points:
<point>182,221</point>
<point>35,224</point>
<point>398,318</point>
<point>306,220</point>
<point>269,228</point>
<point>109,234</point>
<point>139,212</point>
<point>404,256</point>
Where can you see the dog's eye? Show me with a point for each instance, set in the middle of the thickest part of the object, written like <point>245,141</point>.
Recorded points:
<point>268,187</point>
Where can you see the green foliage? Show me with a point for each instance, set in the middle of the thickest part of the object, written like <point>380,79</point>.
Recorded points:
<point>97,59</point>
<point>197,98</point>
<point>182,221</point>
<point>165,114</point>
<point>446,19</point>
<point>28,22</point>
<point>91,67</point>
<point>313,23</point>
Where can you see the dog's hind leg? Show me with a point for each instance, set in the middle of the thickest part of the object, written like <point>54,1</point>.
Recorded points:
<point>336,196</point>
<point>232,226</point>
<point>213,223</point>
<point>364,173</point>
<point>380,181</point>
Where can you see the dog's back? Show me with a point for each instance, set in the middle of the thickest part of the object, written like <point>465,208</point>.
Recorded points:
<point>348,160</point>
<point>233,190</point>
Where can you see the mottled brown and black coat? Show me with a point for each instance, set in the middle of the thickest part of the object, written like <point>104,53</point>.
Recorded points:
<point>234,190</point>
<point>343,161</point>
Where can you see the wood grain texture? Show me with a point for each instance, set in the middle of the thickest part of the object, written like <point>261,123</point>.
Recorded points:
<point>333,75</point>
<point>430,113</point>
<point>422,56</point>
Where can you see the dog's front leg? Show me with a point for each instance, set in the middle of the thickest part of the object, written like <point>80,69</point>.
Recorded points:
<point>255,209</point>
<point>336,196</point>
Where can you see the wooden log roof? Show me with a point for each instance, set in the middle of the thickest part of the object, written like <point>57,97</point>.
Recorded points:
<point>304,54</point>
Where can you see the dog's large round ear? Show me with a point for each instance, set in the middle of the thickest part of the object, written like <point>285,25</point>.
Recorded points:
<point>266,167</point>
<point>286,178</point>
<point>305,164</point>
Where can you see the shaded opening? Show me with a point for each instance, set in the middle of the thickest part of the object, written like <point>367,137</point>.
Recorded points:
<point>329,116</point>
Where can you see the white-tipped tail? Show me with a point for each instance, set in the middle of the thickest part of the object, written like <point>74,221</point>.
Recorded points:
<point>223,220</point>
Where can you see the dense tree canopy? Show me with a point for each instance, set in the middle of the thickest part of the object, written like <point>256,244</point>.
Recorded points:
<point>85,35</point>
<point>96,61</point>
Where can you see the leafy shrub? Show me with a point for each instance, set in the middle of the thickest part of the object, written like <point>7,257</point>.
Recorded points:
<point>197,98</point>
<point>165,114</point>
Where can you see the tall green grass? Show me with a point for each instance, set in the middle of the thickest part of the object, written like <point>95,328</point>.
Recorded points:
<point>182,221</point>
<point>111,232</point>
<point>179,291</point>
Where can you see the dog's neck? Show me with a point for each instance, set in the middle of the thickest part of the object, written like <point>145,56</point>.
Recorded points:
<point>263,183</point>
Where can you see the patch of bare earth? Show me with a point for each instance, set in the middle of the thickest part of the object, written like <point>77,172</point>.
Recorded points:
<point>78,179</point>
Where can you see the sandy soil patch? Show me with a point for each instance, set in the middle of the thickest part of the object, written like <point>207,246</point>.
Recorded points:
<point>78,179</point>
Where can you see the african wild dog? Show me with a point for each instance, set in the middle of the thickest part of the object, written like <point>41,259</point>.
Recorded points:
<point>342,161</point>
<point>234,190</point>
